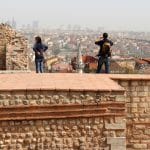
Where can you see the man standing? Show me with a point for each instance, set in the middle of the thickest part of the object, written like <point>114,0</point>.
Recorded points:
<point>104,53</point>
<point>39,49</point>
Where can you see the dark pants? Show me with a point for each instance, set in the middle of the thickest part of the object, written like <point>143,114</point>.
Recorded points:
<point>39,63</point>
<point>101,61</point>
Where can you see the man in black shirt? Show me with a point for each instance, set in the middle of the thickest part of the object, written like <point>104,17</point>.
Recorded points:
<point>104,53</point>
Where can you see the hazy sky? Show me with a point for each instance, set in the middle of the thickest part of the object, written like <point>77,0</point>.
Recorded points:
<point>112,14</point>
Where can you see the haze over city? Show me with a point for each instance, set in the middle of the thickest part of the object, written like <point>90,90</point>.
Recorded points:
<point>113,14</point>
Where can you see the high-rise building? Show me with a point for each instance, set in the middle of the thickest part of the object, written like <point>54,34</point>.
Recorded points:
<point>35,25</point>
<point>13,23</point>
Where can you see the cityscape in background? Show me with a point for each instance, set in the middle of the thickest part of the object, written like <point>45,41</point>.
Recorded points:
<point>130,53</point>
<point>54,92</point>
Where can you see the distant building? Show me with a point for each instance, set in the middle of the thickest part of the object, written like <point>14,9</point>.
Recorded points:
<point>35,25</point>
<point>14,24</point>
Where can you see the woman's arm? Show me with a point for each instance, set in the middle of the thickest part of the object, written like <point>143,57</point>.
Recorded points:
<point>45,47</point>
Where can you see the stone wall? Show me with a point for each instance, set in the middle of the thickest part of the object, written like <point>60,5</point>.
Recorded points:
<point>138,111</point>
<point>54,120</point>
<point>13,49</point>
<point>50,116</point>
<point>2,49</point>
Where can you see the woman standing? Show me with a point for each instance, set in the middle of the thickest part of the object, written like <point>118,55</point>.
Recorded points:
<point>39,49</point>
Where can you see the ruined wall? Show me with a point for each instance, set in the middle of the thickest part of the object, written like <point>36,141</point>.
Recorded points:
<point>13,49</point>
<point>138,111</point>
<point>2,48</point>
<point>62,120</point>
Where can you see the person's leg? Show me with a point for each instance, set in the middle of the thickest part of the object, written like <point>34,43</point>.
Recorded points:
<point>100,64</point>
<point>41,66</point>
<point>37,65</point>
<point>107,65</point>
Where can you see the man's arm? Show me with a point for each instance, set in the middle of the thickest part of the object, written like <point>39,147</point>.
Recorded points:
<point>111,43</point>
<point>99,43</point>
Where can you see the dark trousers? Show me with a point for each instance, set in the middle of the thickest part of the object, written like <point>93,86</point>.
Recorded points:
<point>106,62</point>
<point>39,63</point>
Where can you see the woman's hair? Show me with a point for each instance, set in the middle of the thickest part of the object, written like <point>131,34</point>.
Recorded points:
<point>38,39</point>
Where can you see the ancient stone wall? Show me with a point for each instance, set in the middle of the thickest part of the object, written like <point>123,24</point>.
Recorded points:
<point>62,120</point>
<point>2,49</point>
<point>13,49</point>
<point>138,111</point>
<point>55,114</point>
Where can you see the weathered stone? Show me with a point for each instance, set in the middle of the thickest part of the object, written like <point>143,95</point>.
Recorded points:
<point>120,141</point>
<point>140,146</point>
<point>140,94</point>
<point>120,98</point>
<point>115,126</point>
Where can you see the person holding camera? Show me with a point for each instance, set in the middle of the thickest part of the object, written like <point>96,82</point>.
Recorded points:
<point>104,53</point>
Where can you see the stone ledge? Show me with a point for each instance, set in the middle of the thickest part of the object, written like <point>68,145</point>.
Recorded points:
<point>15,72</point>
<point>58,111</point>
<point>129,77</point>
<point>58,82</point>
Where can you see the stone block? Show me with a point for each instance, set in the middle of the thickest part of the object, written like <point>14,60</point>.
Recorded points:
<point>120,98</point>
<point>117,141</point>
<point>115,126</point>
<point>145,105</point>
<point>148,83</point>
<point>147,131</point>
<point>140,146</point>
<point>134,83</point>
<point>146,89</point>
<point>140,127</point>
<point>133,94</point>
<point>120,120</point>
<point>124,83</point>
<point>140,89</point>
<point>134,105</point>
<point>132,89</point>
<point>142,94</point>
<point>116,147</point>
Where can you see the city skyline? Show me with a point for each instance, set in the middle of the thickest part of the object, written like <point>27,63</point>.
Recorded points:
<point>116,15</point>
